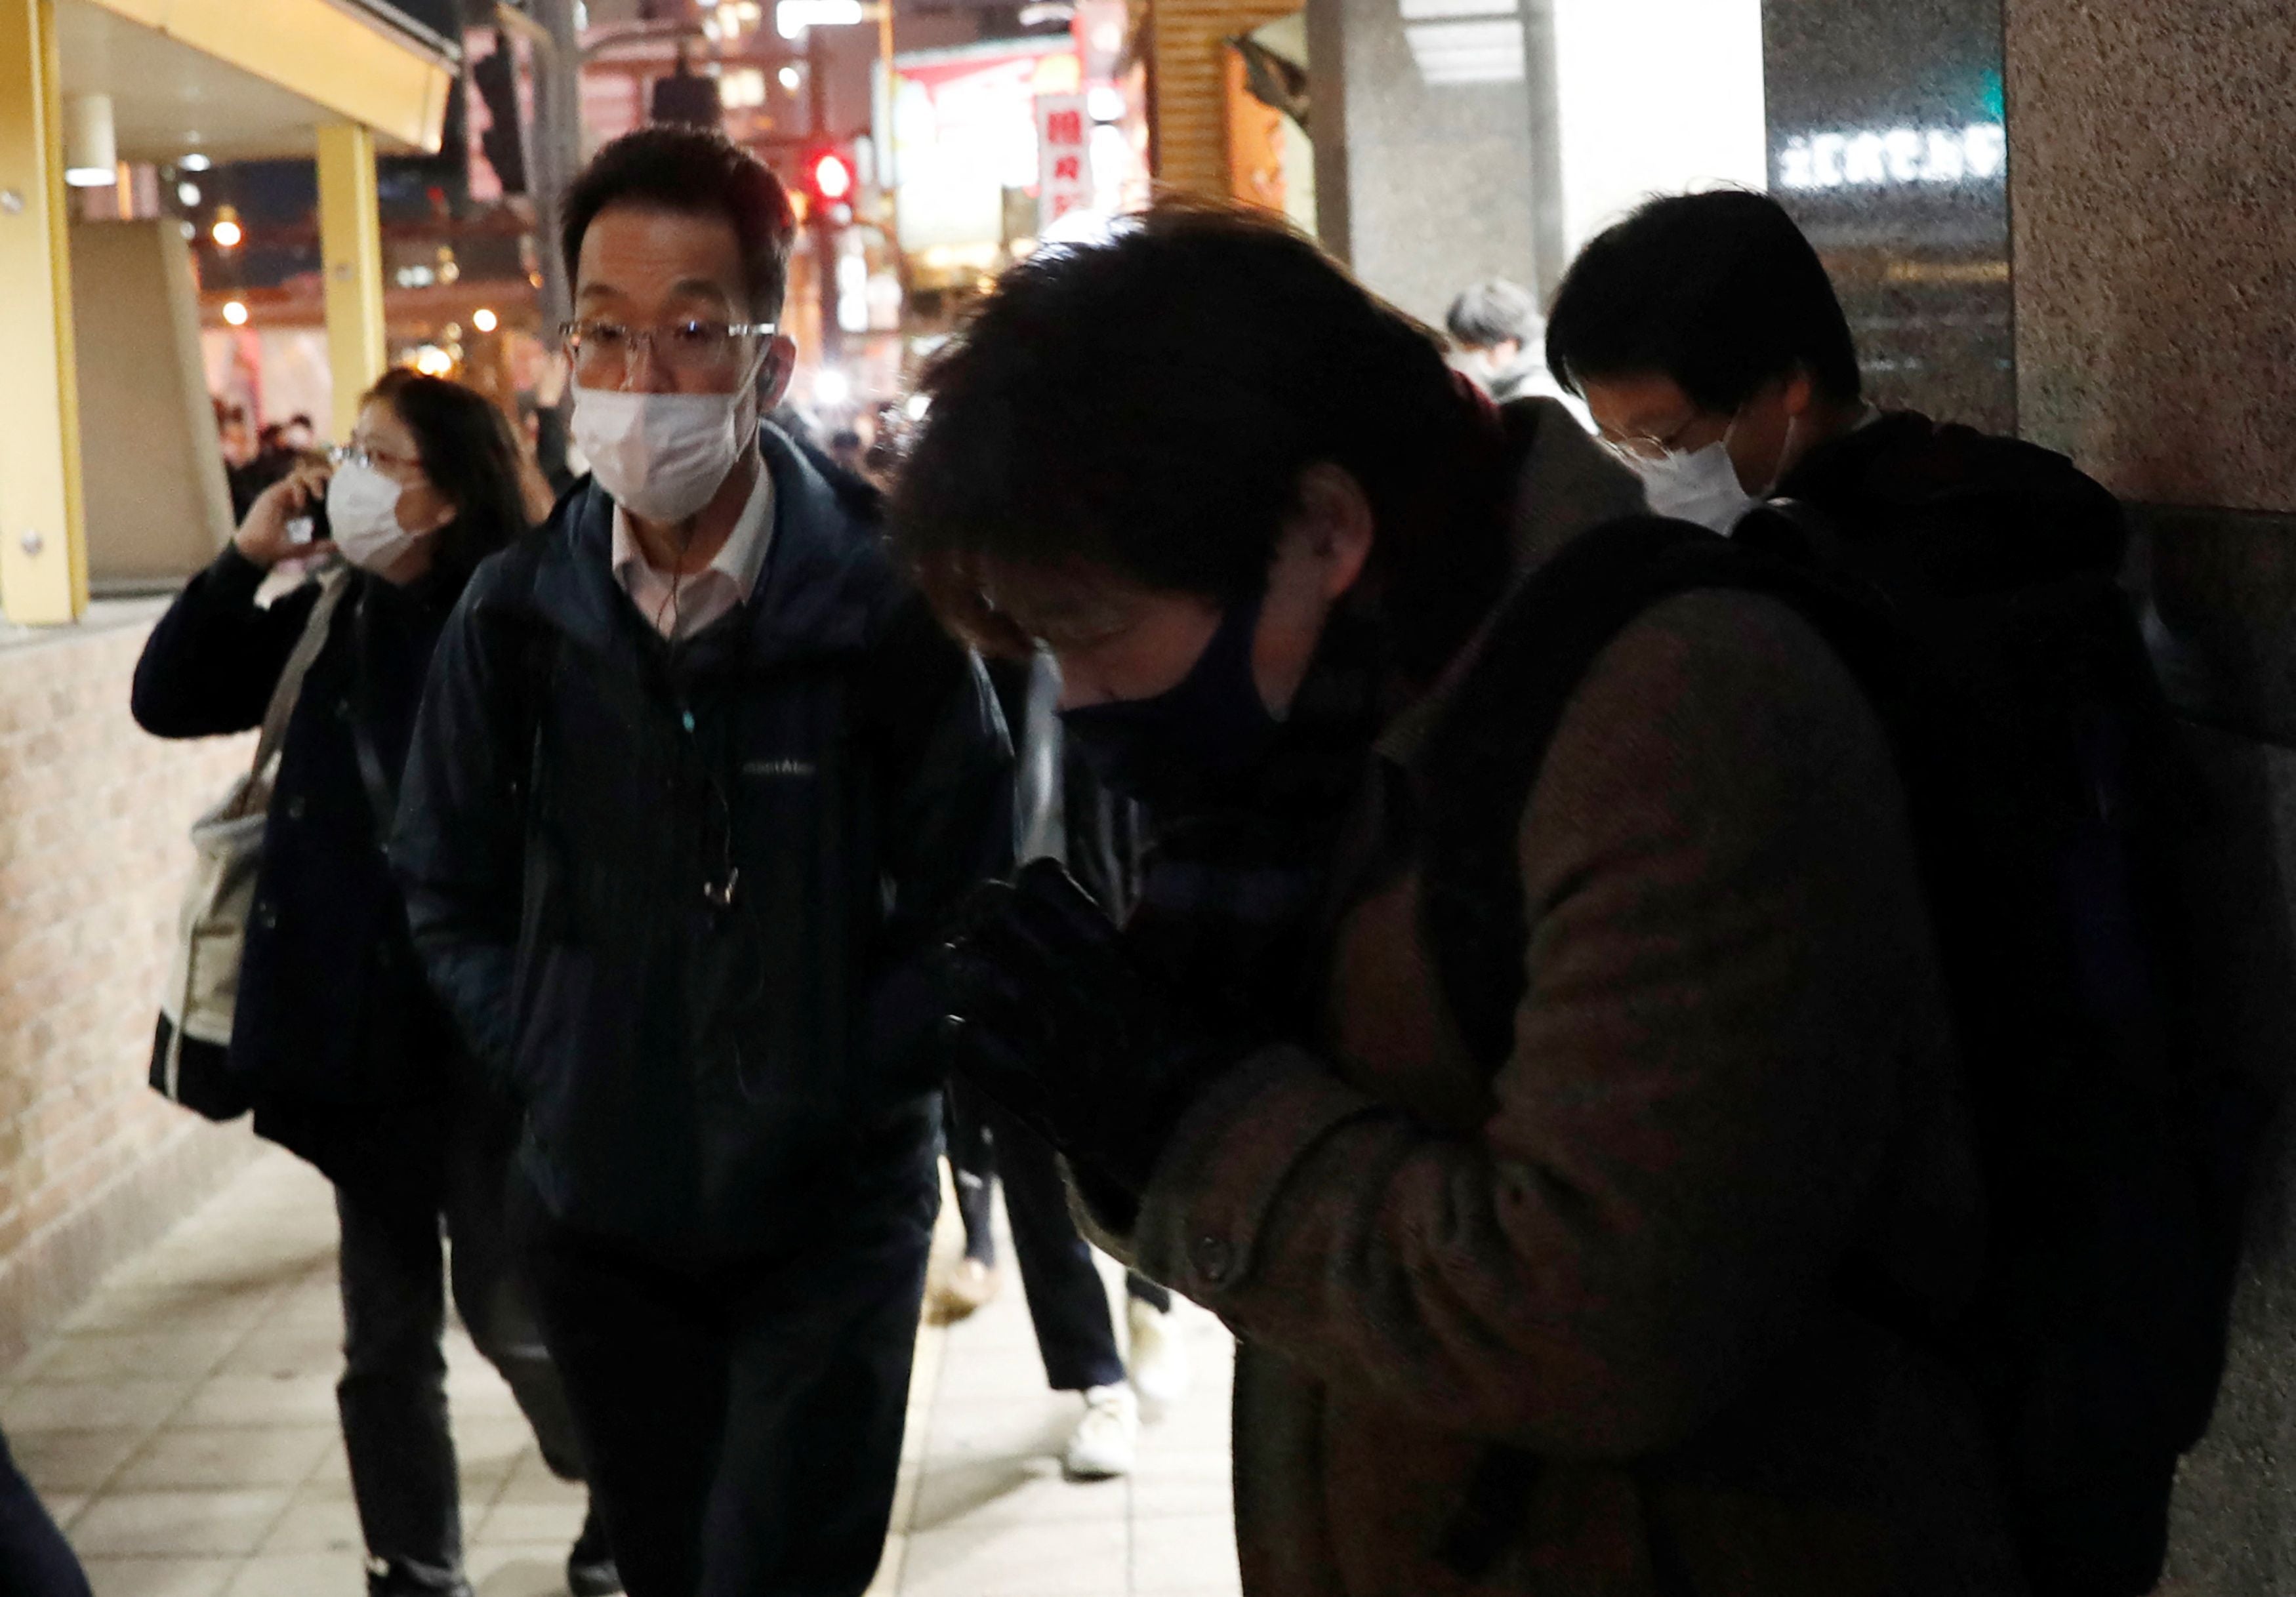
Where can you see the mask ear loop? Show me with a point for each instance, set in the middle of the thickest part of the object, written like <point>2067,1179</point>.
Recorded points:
<point>1785,451</point>
<point>1785,454</point>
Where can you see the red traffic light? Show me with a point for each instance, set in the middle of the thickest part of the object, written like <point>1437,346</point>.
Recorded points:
<point>829,175</point>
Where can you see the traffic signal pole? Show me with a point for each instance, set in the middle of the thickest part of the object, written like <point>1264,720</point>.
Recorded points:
<point>554,151</point>
<point>824,231</point>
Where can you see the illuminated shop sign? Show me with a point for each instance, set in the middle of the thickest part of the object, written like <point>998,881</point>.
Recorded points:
<point>1895,157</point>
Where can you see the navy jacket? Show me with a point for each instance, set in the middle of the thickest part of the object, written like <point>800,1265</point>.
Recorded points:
<point>335,1028</point>
<point>701,1070</point>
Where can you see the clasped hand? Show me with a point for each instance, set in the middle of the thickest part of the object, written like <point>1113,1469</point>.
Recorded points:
<point>1049,1014</point>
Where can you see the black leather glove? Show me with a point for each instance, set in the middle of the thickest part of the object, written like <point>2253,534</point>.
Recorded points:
<point>1049,1015</point>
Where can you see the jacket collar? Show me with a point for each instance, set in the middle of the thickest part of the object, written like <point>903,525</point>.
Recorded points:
<point>807,600</point>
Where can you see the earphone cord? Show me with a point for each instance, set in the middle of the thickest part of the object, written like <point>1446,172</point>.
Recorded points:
<point>675,605</point>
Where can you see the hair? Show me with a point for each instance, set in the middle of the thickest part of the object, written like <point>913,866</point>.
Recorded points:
<point>1493,312</point>
<point>468,456</point>
<point>1143,408</point>
<point>693,173</point>
<point>1720,293</point>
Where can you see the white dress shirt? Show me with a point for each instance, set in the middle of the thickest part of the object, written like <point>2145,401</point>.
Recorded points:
<point>680,606</point>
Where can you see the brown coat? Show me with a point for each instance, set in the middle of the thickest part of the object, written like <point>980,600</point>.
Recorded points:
<point>1731,1071</point>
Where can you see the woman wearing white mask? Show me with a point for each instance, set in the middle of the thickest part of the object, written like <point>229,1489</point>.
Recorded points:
<point>351,1063</point>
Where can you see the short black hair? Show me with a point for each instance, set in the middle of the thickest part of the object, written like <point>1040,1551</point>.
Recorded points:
<point>1144,407</point>
<point>696,172</point>
<point>1719,292</point>
<point>1492,312</point>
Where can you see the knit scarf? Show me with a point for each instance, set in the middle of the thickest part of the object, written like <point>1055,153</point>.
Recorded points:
<point>1232,900</point>
<point>1237,903</point>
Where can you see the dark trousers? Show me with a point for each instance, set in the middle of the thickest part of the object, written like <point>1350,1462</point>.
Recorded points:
<point>34,1558</point>
<point>1067,1302</point>
<point>742,1420</point>
<point>393,1393</point>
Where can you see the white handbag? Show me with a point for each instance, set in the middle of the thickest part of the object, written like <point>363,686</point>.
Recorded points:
<point>190,1056</point>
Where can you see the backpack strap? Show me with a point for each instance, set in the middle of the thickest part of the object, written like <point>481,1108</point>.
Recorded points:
<point>1485,754</point>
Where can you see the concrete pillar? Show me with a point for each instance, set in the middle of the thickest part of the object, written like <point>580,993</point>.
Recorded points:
<point>43,538</point>
<point>1422,186</point>
<point>2153,172</point>
<point>350,238</point>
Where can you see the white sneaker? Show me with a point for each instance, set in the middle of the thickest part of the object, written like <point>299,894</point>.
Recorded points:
<point>1107,1438</point>
<point>1160,1368</point>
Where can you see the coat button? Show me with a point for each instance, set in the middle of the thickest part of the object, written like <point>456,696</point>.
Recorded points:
<point>342,710</point>
<point>266,915</point>
<point>1214,1258</point>
<point>298,807</point>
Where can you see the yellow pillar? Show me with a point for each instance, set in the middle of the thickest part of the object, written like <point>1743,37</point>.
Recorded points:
<point>350,240</point>
<point>43,538</point>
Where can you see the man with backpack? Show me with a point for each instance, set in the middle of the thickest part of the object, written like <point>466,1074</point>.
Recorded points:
<point>1546,1075</point>
<point>1973,581</point>
<point>696,776</point>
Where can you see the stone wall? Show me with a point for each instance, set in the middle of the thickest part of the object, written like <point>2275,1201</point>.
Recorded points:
<point>2152,153</point>
<point>93,818</point>
<point>1423,188</point>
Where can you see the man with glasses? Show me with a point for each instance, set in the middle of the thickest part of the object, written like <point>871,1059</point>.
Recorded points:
<point>1710,346</point>
<point>696,772</point>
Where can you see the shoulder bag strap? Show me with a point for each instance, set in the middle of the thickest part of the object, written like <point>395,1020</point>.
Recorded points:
<point>332,588</point>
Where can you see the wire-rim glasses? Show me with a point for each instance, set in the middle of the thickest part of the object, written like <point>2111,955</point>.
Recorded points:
<point>603,350</point>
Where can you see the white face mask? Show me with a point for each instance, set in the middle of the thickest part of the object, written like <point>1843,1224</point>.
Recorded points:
<point>662,456</point>
<point>1698,486</point>
<point>362,517</point>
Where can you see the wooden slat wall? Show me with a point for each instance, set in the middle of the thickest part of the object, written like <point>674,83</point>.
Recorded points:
<point>1190,106</point>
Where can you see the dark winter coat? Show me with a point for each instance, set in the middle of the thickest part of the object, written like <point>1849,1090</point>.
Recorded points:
<point>1568,1328</point>
<point>348,1057</point>
<point>699,1075</point>
<point>1983,512</point>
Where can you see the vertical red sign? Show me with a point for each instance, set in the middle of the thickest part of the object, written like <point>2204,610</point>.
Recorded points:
<point>1064,157</point>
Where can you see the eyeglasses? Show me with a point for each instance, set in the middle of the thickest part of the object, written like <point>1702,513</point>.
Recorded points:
<point>1648,447</point>
<point>374,460</point>
<point>602,351</point>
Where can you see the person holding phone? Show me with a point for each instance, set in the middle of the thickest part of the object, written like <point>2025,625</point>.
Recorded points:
<point>351,1061</point>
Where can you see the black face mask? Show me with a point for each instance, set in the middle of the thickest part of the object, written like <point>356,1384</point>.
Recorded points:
<point>1201,742</point>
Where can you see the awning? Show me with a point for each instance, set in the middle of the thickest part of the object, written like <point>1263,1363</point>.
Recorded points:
<point>250,79</point>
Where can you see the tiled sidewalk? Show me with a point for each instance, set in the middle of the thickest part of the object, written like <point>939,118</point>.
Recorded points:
<point>182,1429</point>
